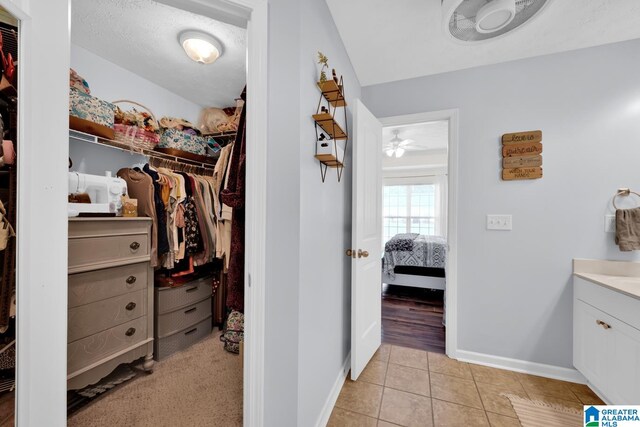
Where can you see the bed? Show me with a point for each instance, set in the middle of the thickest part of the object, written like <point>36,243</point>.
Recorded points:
<point>415,260</point>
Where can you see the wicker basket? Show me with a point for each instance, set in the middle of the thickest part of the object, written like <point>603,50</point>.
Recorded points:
<point>137,138</point>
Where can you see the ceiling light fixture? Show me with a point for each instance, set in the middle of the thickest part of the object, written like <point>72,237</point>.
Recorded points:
<point>396,146</point>
<point>200,47</point>
<point>495,15</point>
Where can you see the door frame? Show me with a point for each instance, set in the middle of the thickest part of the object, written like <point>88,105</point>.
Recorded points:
<point>42,315</point>
<point>451,292</point>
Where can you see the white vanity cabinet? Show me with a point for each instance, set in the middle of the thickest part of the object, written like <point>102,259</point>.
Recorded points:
<point>606,334</point>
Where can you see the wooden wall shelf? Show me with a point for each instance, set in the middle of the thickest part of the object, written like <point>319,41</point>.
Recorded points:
<point>330,126</point>
<point>332,93</point>
<point>329,161</point>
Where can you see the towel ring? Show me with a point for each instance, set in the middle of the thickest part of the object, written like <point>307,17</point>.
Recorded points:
<point>623,192</point>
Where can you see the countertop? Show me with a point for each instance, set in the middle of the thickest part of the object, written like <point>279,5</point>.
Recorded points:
<point>626,285</point>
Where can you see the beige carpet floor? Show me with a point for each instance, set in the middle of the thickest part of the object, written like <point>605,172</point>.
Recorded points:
<point>201,386</point>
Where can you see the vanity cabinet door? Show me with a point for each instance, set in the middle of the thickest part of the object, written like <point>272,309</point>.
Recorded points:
<point>590,341</point>
<point>623,374</point>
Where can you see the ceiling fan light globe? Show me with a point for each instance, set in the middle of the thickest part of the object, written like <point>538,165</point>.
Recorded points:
<point>389,152</point>
<point>495,15</point>
<point>399,152</point>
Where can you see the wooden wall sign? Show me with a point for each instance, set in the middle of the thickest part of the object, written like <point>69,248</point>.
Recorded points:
<point>522,162</point>
<point>518,137</point>
<point>521,173</point>
<point>523,149</point>
<point>521,155</point>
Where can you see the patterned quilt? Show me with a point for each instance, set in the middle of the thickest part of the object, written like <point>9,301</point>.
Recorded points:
<point>414,250</point>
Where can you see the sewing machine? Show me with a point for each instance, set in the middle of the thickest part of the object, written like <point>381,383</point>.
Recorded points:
<point>105,193</point>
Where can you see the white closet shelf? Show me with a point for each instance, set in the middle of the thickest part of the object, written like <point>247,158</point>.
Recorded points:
<point>92,139</point>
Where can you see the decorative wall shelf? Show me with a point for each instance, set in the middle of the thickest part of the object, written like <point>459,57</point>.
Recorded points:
<point>332,93</point>
<point>330,126</point>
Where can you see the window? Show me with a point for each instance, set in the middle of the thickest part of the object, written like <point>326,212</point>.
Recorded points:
<point>410,209</point>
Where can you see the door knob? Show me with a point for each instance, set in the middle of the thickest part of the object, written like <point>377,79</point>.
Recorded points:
<point>349,252</point>
<point>362,254</point>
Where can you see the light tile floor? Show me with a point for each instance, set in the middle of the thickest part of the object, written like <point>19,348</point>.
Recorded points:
<point>407,387</point>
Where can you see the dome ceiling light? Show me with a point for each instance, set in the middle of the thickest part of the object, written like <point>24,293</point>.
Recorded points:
<point>200,47</point>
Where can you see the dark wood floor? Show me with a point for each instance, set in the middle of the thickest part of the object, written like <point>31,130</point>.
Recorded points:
<point>6,409</point>
<point>412,317</point>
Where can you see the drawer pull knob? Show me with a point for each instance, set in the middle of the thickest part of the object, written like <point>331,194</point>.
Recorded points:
<point>603,324</point>
<point>130,332</point>
<point>191,310</point>
<point>134,246</point>
<point>131,306</point>
<point>191,331</point>
<point>131,280</point>
<point>195,288</point>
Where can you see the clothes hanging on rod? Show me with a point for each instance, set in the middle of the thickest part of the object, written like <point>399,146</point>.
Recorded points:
<point>188,214</point>
<point>234,196</point>
<point>8,276</point>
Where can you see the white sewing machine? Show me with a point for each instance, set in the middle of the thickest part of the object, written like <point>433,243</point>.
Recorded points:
<point>105,193</point>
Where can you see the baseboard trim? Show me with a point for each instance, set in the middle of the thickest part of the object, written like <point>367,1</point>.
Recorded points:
<point>323,419</point>
<point>533,368</point>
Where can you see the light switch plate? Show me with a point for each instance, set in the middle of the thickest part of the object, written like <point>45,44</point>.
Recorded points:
<point>499,222</point>
<point>610,223</point>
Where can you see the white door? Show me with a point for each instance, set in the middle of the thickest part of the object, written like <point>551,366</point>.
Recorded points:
<point>366,265</point>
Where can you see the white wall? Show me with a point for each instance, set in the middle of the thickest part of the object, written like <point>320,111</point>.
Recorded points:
<point>308,277</point>
<point>283,216</point>
<point>515,287</point>
<point>325,224</point>
<point>111,82</point>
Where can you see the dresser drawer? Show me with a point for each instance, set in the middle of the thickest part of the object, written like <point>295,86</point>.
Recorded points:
<point>165,347</point>
<point>85,288</point>
<point>96,347</point>
<point>170,299</point>
<point>94,252</point>
<point>170,323</point>
<point>98,316</point>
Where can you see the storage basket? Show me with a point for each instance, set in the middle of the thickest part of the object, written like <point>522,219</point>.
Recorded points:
<point>134,136</point>
<point>90,115</point>
<point>177,139</point>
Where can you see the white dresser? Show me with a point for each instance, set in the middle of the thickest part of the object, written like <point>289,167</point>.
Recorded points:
<point>606,328</point>
<point>110,311</point>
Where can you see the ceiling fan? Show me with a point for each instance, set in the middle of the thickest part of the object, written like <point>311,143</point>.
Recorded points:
<point>397,146</point>
<point>479,20</point>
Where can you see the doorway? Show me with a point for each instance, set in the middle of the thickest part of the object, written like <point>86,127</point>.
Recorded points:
<point>44,313</point>
<point>414,234</point>
<point>444,173</point>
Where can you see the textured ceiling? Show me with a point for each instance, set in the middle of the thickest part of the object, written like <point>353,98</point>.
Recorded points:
<point>142,36</point>
<point>396,40</point>
<point>425,136</point>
